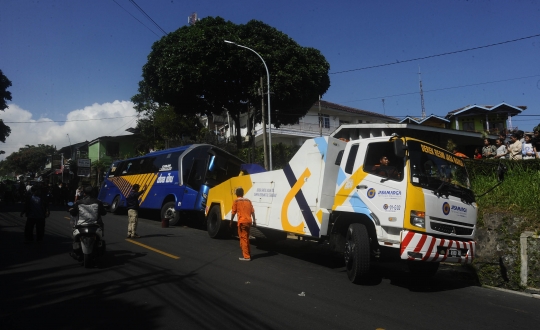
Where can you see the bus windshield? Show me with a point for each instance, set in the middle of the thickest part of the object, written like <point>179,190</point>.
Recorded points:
<point>434,168</point>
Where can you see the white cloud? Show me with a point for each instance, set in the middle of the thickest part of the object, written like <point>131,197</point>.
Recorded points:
<point>80,125</point>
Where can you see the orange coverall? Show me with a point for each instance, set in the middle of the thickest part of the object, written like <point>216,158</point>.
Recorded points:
<point>243,207</point>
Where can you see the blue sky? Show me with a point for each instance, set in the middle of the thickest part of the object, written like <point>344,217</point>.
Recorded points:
<point>78,60</point>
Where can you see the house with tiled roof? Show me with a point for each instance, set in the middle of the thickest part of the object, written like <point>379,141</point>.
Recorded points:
<point>478,118</point>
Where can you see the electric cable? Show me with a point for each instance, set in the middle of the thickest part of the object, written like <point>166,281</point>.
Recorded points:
<point>148,16</point>
<point>135,18</point>
<point>438,55</point>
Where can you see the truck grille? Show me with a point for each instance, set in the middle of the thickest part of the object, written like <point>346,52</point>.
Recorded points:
<point>449,229</point>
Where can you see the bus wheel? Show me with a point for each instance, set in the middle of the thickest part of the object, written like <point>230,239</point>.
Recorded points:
<point>168,212</point>
<point>114,205</point>
<point>216,226</point>
<point>357,252</point>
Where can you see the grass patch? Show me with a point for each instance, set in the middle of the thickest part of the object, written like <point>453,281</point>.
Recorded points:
<point>518,195</point>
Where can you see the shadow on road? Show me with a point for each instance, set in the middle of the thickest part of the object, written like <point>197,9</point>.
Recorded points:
<point>448,277</point>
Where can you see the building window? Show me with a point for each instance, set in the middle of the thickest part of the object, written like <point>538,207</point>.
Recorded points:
<point>359,121</point>
<point>325,121</point>
<point>468,126</point>
<point>112,149</point>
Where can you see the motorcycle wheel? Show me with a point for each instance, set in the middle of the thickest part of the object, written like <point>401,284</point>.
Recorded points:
<point>88,261</point>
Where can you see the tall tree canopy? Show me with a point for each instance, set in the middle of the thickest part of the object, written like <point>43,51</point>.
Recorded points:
<point>29,158</point>
<point>5,96</point>
<point>196,72</point>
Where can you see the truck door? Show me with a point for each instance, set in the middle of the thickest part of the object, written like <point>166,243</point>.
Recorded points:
<point>384,186</point>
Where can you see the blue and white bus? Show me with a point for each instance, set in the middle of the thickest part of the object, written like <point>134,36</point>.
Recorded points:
<point>177,179</point>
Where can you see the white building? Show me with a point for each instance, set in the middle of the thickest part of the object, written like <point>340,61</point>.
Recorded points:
<point>333,115</point>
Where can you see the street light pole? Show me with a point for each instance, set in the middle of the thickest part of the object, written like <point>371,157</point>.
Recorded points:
<point>268,93</point>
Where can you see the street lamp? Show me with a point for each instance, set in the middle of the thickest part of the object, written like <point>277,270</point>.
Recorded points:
<point>268,93</point>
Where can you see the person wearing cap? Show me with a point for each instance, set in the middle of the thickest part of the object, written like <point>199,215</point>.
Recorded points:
<point>243,207</point>
<point>132,202</point>
<point>87,211</point>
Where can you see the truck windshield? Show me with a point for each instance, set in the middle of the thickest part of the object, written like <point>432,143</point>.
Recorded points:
<point>437,169</point>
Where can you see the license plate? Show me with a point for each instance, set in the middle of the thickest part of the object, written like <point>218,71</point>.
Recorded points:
<point>454,253</point>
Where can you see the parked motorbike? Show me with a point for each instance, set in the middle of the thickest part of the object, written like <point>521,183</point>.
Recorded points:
<point>88,242</point>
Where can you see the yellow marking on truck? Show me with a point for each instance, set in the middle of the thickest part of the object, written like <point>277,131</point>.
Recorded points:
<point>285,223</point>
<point>153,249</point>
<point>348,187</point>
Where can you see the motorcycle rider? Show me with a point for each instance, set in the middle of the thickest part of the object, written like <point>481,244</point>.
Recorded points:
<point>87,211</point>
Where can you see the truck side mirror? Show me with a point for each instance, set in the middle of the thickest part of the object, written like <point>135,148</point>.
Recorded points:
<point>399,148</point>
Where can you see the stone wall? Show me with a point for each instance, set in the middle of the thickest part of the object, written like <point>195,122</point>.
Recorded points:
<point>498,261</point>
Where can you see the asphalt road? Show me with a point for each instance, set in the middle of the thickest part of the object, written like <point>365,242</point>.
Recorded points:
<point>199,283</point>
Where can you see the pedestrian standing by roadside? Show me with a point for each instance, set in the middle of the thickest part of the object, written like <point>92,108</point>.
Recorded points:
<point>243,207</point>
<point>514,149</point>
<point>501,149</point>
<point>132,201</point>
<point>536,143</point>
<point>36,210</point>
<point>528,150</point>
<point>477,154</point>
<point>488,150</point>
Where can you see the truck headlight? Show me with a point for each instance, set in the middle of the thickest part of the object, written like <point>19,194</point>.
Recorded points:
<point>418,219</point>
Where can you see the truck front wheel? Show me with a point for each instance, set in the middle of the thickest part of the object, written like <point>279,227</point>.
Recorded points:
<point>357,253</point>
<point>216,226</point>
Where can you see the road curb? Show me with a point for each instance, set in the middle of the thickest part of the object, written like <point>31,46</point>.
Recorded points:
<point>530,295</point>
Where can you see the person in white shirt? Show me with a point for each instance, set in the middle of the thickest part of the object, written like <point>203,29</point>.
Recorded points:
<point>501,149</point>
<point>528,150</point>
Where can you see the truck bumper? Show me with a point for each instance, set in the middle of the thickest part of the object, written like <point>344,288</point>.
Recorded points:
<point>422,247</point>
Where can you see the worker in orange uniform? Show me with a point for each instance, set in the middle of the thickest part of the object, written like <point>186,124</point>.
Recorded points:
<point>243,207</point>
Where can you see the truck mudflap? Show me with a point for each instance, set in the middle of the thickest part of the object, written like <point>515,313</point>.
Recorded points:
<point>422,247</point>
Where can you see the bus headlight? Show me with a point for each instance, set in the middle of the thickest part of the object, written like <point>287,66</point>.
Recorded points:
<point>418,219</point>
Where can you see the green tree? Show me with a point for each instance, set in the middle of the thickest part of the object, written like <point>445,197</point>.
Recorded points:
<point>29,158</point>
<point>161,124</point>
<point>5,96</point>
<point>194,71</point>
<point>99,167</point>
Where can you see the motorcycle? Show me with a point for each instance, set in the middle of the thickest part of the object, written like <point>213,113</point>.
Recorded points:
<point>88,242</point>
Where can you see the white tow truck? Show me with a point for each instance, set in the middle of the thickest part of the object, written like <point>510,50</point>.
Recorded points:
<point>390,196</point>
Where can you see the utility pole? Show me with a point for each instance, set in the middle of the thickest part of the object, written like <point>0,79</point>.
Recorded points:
<point>263,126</point>
<point>320,118</point>
<point>421,94</point>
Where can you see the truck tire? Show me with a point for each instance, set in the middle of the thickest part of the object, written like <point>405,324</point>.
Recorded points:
<point>114,205</point>
<point>357,253</point>
<point>168,212</point>
<point>217,228</point>
<point>422,269</point>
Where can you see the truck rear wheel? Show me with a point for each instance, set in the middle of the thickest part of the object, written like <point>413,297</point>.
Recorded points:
<point>168,212</point>
<point>357,253</point>
<point>216,226</point>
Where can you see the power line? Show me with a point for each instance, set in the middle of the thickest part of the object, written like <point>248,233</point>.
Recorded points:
<point>438,55</point>
<point>62,121</point>
<point>445,88</point>
<point>145,14</point>
<point>136,18</point>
